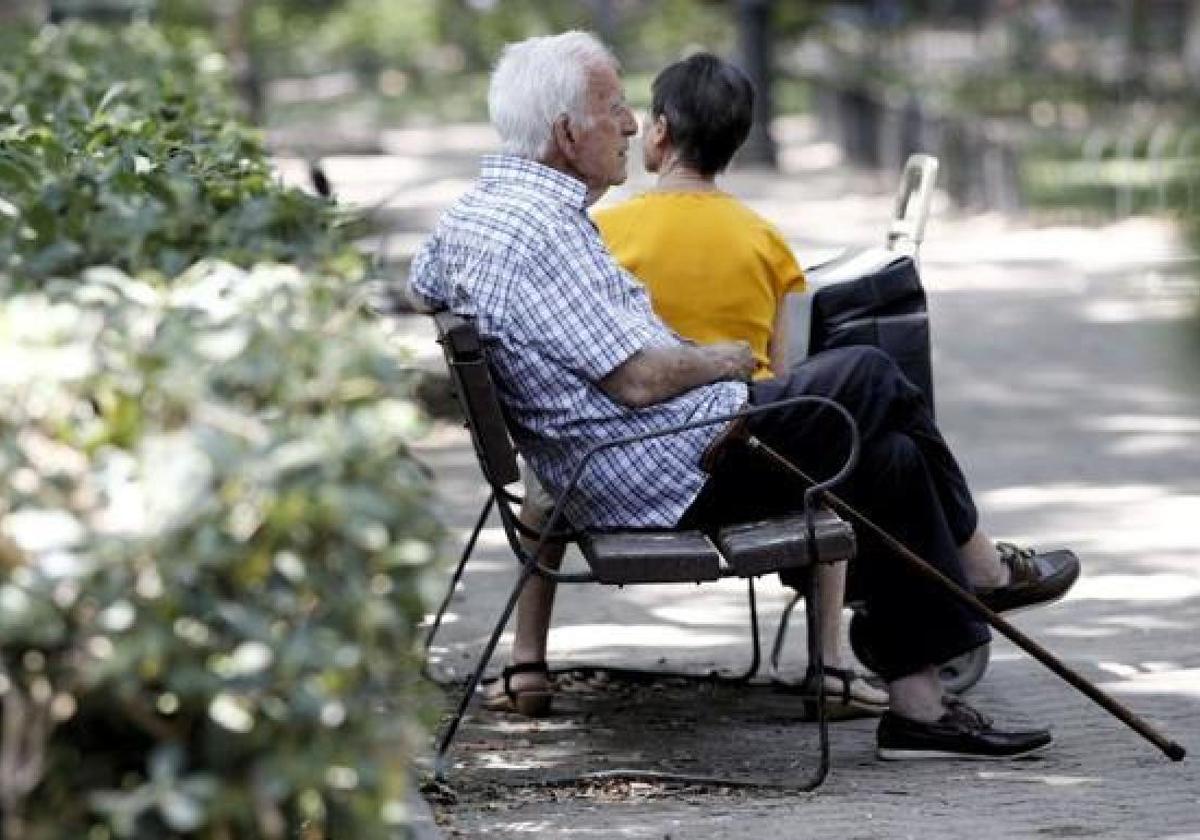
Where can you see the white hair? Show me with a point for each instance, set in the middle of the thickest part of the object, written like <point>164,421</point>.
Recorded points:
<point>538,80</point>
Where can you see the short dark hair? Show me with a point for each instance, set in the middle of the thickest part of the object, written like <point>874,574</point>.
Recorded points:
<point>709,106</point>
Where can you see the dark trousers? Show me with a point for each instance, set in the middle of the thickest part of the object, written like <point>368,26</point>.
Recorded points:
<point>906,480</point>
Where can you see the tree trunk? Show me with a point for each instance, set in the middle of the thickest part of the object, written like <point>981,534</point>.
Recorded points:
<point>22,11</point>
<point>755,55</point>
<point>234,25</point>
<point>1191,42</point>
<point>604,13</point>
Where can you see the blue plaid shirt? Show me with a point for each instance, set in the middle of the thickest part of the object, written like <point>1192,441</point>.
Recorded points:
<point>519,253</point>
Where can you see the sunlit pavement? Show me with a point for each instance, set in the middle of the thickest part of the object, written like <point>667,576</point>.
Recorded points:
<point>1067,367</point>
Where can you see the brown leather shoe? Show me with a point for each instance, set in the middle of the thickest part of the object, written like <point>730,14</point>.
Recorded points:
<point>1037,578</point>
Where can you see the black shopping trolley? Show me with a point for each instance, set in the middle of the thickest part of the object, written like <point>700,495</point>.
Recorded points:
<point>874,296</point>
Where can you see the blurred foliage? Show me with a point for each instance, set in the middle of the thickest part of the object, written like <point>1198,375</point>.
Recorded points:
<point>1094,103</point>
<point>121,148</point>
<point>431,37</point>
<point>429,58</point>
<point>213,537</point>
<point>1149,168</point>
<point>215,633</point>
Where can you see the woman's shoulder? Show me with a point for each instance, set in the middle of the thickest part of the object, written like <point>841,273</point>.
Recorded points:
<point>738,208</point>
<point>750,219</point>
<point>618,216</point>
<point>691,208</point>
<point>617,209</point>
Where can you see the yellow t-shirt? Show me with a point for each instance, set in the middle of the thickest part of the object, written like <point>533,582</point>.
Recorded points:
<point>715,269</point>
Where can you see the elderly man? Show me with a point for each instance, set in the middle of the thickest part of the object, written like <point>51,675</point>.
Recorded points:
<point>580,357</point>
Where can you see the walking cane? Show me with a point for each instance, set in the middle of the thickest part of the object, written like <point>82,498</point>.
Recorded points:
<point>1169,748</point>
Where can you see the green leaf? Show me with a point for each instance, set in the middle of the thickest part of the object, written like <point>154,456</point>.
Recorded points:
<point>115,90</point>
<point>180,811</point>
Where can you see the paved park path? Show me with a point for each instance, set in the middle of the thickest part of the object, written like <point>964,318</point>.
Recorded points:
<point>1067,366</point>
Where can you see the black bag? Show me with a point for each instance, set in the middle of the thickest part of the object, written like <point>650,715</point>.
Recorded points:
<point>873,298</point>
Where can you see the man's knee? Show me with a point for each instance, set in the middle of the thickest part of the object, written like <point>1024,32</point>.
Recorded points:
<point>860,364</point>
<point>874,374</point>
<point>870,362</point>
<point>894,457</point>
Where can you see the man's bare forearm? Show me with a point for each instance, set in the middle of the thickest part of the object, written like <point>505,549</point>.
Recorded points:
<point>656,374</point>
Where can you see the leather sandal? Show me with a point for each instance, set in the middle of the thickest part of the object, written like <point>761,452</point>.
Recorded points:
<point>530,702</point>
<point>847,693</point>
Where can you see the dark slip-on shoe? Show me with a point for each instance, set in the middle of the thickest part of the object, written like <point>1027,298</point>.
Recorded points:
<point>962,732</point>
<point>1037,578</point>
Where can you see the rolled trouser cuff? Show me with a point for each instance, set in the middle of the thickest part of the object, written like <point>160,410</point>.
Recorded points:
<point>901,656</point>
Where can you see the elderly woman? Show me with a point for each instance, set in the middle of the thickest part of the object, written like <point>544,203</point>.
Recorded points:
<point>716,270</point>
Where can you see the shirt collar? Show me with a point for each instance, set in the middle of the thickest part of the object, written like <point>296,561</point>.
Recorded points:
<point>512,170</point>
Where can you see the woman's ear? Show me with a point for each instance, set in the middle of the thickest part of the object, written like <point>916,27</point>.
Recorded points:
<point>656,142</point>
<point>660,132</point>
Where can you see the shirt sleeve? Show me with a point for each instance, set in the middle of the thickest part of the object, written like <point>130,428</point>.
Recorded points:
<point>577,308</point>
<point>425,280</point>
<point>789,277</point>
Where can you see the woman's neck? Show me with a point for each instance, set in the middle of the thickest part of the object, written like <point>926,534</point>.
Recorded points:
<point>678,177</point>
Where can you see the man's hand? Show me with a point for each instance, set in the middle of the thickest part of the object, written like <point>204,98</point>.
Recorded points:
<point>738,358</point>
<point>656,374</point>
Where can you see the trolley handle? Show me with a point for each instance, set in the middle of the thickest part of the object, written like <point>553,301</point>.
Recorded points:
<point>913,198</point>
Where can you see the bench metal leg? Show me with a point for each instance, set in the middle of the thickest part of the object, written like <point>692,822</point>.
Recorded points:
<point>816,659</point>
<point>781,632</point>
<point>640,675</point>
<point>755,640</point>
<point>819,773</point>
<point>462,564</point>
<point>813,781</point>
<point>473,682</point>
<point>447,739</point>
<point>476,677</point>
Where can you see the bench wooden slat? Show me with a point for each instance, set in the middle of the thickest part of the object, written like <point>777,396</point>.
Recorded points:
<point>621,557</point>
<point>769,545</point>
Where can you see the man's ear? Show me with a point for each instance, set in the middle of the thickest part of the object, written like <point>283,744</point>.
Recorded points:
<point>564,136</point>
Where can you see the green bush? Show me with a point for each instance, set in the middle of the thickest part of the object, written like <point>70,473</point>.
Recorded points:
<point>230,533</point>
<point>213,536</point>
<point>117,148</point>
